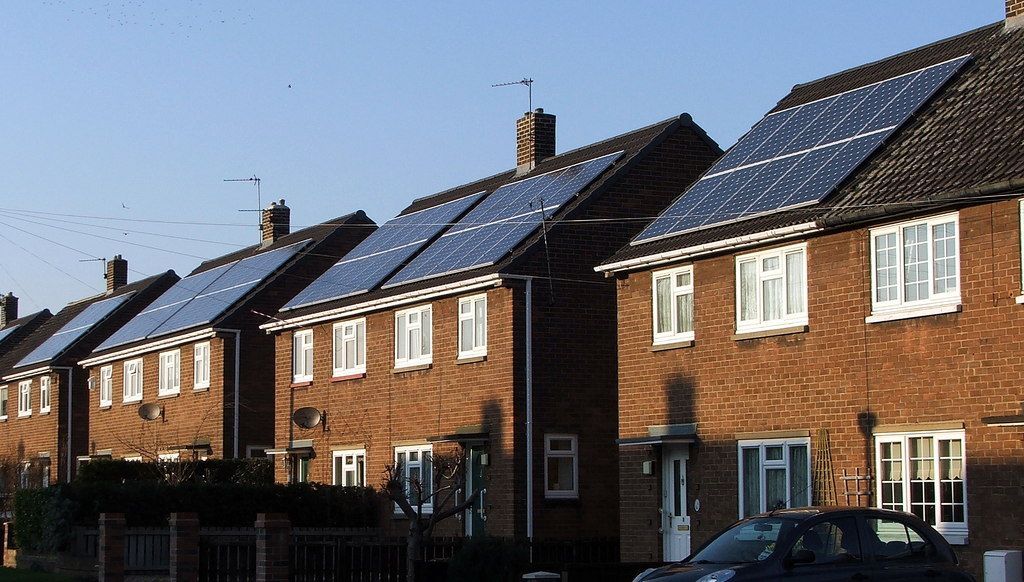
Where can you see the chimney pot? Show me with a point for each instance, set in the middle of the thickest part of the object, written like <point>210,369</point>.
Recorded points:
<point>8,308</point>
<point>117,273</point>
<point>535,139</point>
<point>275,222</point>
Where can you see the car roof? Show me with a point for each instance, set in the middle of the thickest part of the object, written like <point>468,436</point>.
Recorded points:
<point>802,513</point>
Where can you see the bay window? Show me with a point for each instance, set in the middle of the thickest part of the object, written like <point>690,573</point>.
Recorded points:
<point>771,289</point>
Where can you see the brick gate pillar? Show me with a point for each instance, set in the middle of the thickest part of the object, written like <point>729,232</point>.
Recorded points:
<point>111,550</point>
<point>273,542</point>
<point>185,547</point>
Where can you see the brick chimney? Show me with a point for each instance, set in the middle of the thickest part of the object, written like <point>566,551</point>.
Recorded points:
<point>535,139</point>
<point>275,222</point>
<point>117,273</point>
<point>1014,14</point>
<point>8,308</point>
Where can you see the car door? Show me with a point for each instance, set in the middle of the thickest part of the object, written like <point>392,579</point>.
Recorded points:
<point>900,552</point>
<point>836,548</point>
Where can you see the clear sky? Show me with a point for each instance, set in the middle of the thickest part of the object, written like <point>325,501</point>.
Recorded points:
<point>117,116</point>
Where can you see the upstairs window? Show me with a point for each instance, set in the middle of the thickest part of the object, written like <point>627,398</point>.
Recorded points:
<point>201,366</point>
<point>413,337</point>
<point>350,347</point>
<point>473,326</point>
<point>673,305</point>
<point>915,264</point>
<point>25,398</point>
<point>44,395</point>
<point>302,356</point>
<point>170,373</point>
<point>4,396</point>
<point>132,381</point>
<point>771,289</point>
<point>106,386</point>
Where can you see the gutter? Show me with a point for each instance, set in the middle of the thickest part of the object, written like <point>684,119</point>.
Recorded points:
<point>238,368</point>
<point>384,303</point>
<point>71,390</point>
<point>28,373</point>
<point>150,347</point>
<point>529,402</point>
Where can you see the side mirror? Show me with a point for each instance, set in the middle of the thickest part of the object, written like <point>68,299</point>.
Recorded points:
<point>800,557</point>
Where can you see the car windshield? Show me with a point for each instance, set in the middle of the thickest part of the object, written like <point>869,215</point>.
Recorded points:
<point>748,541</point>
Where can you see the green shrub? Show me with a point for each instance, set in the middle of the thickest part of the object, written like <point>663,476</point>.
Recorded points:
<point>236,471</point>
<point>42,519</point>
<point>487,559</point>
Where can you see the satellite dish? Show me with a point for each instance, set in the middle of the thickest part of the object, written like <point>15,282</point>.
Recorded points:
<point>151,411</point>
<point>306,417</point>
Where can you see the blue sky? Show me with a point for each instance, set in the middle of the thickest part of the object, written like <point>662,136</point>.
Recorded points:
<point>117,117</point>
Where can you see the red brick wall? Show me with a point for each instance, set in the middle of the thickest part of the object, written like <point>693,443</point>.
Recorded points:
<point>23,439</point>
<point>1014,8</point>
<point>954,367</point>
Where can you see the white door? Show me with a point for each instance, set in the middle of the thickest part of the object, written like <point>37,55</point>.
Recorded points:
<point>675,521</point>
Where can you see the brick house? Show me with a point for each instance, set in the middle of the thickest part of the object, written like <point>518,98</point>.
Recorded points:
<point>861,347</point>
<point>192,374</point>
<point>473,324</point>
<point>43,391</point>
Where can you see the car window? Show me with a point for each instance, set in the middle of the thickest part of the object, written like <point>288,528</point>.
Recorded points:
<point>831,541</point>
<point>895,541</point>
<point>749,541</point>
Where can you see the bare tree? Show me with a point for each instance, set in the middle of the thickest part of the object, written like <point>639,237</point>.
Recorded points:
<point>448,479</point>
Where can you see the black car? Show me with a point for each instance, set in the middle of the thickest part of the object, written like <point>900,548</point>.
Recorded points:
<point>822,544</point>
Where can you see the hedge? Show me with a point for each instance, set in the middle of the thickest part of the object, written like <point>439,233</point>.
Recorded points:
<point>236,471</point>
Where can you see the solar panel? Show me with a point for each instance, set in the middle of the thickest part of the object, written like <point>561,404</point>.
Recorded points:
<point>4,333</point>
<point>201,298</point>
<point>798,156</point>
<point>379,254</point>
<point>73,330</point>
<point>501,221</point>
<point>227,289</point>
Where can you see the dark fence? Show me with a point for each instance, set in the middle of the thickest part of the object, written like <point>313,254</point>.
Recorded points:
<point>227,554</point>
<point>147,550</point>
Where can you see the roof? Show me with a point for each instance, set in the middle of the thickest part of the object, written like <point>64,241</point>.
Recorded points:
<point>632,144</point>
<point>17,329</point>
<point>137,294</point>
<point>961,145</point>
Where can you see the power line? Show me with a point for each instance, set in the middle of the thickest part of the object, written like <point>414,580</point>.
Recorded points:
<point>3,236</point>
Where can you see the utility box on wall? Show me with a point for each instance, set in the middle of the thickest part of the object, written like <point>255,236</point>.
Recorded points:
<point>1003,566</point>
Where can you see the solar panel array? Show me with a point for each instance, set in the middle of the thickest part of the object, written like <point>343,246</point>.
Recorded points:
<point>73,330</point>
<point>199,299</point>
<point>379,254</point>
<point>4,333</point>
<point>799,155</point>
<point>501,221</point>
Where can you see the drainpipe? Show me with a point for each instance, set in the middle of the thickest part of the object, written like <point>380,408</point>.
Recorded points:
<point>71,390</point>
<point>238,368</point>
<point>529,404</point>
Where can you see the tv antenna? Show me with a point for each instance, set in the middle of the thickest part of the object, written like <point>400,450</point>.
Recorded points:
<point>255,180</point>
<point>101,259</point>
<point>523,81</point>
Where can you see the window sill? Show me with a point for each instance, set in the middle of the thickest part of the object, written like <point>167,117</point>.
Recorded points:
<point>757,334</point>
<point>399,515</point>
<point>44,412</point>
<point>1019,299</point>
<point>201,388</point>
<point>130,402</point>
<point>955,538</point>
<point>911,313</point>
<point>572,498</point>
<point>672,345</point>
<point>3,419</point>
<point>168,395</point>
<point>302,384</point>
<point>29,415</point>
<point>106,406</point>
<point>467,359</point>
<point>346,377</point>
<point>412,368</point>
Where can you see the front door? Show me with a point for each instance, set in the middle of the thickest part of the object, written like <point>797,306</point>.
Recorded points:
<point>675,520</point>
<point>475,516</point>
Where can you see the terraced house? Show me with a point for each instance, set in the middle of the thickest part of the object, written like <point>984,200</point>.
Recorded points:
<point>473,324</point>
<point>43,391</point>
<point>831,313</point>
<point>192,374</point>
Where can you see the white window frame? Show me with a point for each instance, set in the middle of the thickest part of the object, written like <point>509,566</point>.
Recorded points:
<point>355,454</point>
<point>787,319</point>
<point>936,302</point>
<point>574,454</point>
<point>24,398</point>
<point>673,335</point>
<point>954,532</point>
<point>168,457</point>
<point>423,449</point>
<point>169,383</point>
<point>106,386</point>
<point>201,366</point>
<point>766,465</point>
<point>132,368</point>
<point>343,333</point>
<point>44,395</point>
<point>5,395</point>
<point>426,353</point>
<point>479,343</point>
<point>302,342</point>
